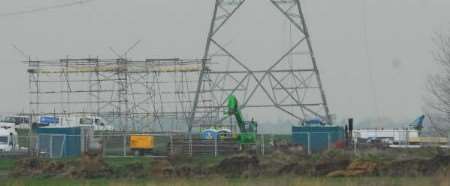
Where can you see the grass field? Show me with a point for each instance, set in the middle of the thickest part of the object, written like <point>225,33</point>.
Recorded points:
<point>279,181</point>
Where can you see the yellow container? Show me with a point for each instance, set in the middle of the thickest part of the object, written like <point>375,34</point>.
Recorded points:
<point>146,142</point>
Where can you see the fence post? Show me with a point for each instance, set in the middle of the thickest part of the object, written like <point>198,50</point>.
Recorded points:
<point>355,142</point>
<point>262,145</point>
<point>329,140</point>
<point>190,145</point>
<point>103,144</point>
<point>124,145</point>
<point>51,146</point>
<point>309,143</point>
<point>38,141</point>
<point>215,147</point>
<point>407,137</point>
<point>61,152</point>
<point>171,143</point>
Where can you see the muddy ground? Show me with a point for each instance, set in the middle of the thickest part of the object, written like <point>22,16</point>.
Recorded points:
<point>332,164</point>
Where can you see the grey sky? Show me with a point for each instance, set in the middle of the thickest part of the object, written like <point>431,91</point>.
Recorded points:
<point>399,36</point>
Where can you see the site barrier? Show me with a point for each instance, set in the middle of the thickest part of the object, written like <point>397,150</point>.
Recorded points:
<point>172,144</point>
<point>118,145</point>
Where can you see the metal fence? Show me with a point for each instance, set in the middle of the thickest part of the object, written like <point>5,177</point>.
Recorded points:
<point>118,145</point>
<point>168,144</point>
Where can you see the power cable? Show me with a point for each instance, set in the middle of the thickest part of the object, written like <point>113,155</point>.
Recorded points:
<point>46,8</point>
<point>369,61</point>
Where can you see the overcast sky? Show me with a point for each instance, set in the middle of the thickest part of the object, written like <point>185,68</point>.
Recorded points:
<point>399,34</point>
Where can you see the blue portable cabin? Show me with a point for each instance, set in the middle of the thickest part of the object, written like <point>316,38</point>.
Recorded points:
<point>47,120</point>
<point>318,137</point>
<point>59,141</point>
<point>209,134</point>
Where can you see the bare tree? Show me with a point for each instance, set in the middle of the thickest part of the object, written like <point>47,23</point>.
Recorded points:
<point>438,103</point>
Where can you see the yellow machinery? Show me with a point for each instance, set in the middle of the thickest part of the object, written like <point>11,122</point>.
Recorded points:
<point>429,140</point>
<point>142,144</point>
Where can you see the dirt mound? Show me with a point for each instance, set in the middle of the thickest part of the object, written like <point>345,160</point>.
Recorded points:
<point>87,167</point>
<point>311,169</point>
<point>411,167</point>
<point>239,166</point>
<point>296,169</point>
<point>192,171</point>
<point>36,167</point>
<point>325,168</point>
<point>416,167</point>
<point>278,164</point>
<point>131,170</point>
<point>92,166</point>
<point>316,166</point>
<point>162,168</point>
<point>356,168</point>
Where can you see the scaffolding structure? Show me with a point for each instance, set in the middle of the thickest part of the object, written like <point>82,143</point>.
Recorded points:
<point>133,95</point>
<point>138,94</point>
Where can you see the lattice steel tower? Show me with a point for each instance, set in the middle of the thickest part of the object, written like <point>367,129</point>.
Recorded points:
<point>291,84</point>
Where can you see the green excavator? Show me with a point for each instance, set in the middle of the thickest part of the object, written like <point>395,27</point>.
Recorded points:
<point>247,129</point>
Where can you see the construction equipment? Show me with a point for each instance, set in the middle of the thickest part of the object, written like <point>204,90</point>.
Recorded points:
<point>418,123</point>
<point>8,137</point>
<point>142,144</point>
<point>248,129</point>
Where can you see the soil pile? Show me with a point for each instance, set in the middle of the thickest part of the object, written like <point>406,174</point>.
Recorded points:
<point>416,167</point>
<point>411,167</point>
<point>356,168</point>
<point>36,167</point>
<point>162,168</point>
<point>317,165</point>
<point>239,166</point>
<point>91,166</point>
<point>332,164</point>
<point>88,167</point>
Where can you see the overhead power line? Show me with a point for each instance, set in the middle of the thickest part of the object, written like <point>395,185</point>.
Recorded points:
<point>372,83</point>
<point>46,8</point>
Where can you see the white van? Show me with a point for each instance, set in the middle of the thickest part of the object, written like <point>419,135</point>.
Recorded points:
<point>20,122</point>
<point>97,123</point>
<point>8,137</point>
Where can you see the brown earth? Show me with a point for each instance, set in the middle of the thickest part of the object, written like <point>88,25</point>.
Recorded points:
<point>239,166</point>
<point>244,165</point>
<point>88,167</point>
<point>411,167</point>
<point>162,168</point>
<point>356,168</point>
<point>415,167</point>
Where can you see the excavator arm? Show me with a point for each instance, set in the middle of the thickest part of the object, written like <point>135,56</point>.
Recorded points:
<point>233,109</point>
<point>247,129</point>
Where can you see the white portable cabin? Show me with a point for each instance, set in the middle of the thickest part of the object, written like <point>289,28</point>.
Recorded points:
<point>97,123</point>
<point>396,135</point>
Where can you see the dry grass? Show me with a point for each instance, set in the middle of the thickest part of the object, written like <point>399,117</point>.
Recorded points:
<point>219,181</point>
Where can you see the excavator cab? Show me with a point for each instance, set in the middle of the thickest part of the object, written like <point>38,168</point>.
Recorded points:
<point>249,137</point>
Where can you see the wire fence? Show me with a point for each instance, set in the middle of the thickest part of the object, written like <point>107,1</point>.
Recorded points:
<point>164,144</point>
<point>171,144</point>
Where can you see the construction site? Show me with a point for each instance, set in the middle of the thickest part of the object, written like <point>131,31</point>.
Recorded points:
<point>204,117</point>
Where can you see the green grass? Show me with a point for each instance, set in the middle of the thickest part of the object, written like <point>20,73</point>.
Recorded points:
<point>218,181</point>
<point>7,164</point>
<point>124,161</point>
